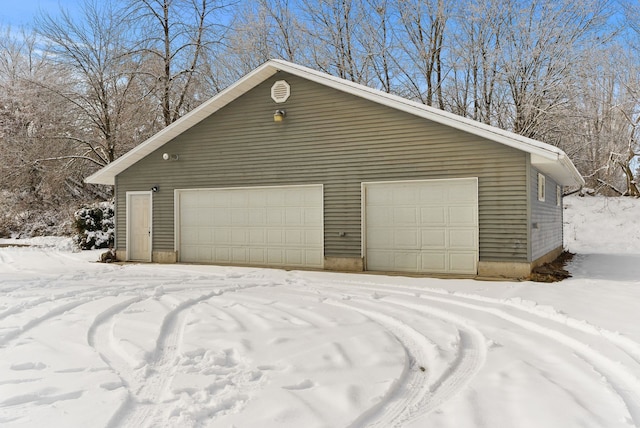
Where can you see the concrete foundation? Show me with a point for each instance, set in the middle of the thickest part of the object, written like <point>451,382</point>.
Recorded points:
<point>515,270</point>
<point>504,269</point>
<point>344,264</point>
<point>164,256</point>
<point>486,269</point>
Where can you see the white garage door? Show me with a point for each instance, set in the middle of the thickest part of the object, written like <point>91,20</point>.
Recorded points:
<point>426,226</point>
<point>275,226</point>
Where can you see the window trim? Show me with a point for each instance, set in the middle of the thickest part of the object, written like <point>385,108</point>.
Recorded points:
<point>541,187</point>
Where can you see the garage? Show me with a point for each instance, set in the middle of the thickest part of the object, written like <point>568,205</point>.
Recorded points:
<point>424,226</point>
<point>275,226</point>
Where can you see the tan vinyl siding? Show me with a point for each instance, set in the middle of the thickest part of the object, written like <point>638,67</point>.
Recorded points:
<point>339,140</point>
<point>546,218</point>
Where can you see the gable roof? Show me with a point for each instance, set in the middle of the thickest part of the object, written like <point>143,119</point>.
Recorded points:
<point>548,159</point>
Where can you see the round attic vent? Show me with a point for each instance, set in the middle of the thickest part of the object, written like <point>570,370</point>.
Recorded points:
<point>280,91</point>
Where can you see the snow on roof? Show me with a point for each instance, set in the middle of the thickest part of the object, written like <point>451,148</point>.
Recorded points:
<point>548,159</point>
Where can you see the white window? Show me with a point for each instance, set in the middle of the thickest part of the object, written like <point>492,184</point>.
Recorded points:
<point>541,187</point>
<point>558,195</point>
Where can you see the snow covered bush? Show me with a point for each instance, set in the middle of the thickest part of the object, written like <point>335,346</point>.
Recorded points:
<point>94,226</point>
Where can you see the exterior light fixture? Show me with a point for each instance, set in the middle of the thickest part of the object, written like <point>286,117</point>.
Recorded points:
<point>167,156</point>
<point>279,115</point>
<point>155,188</point>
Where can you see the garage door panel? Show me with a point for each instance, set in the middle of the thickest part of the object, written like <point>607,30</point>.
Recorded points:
<point>294,258</point>
<point>462,239</point>
<point>239,236</point>
<point>257,237</point>
<point>204,253</point>
<point>294,216</point>
<point>270,225</point>
<point>239,217</point>
<point>275,256</point>
<point>422,226</point>
<point>239,255</point>
<point>405,239</point>
<point>433,239</point>
<point>257,217</point>
<point>275,217</point>
<point>190,218</point>
<point>257,256</point>
<point>189,251</point>
<point>257,199</point>
<point>383,260</point>
<point>463,262</point>
<point>221,236</point>
<point>433,216</point>
<point>294,237</point>
<point>380,238</point>
<point>405,261</point>
<point>313,238</point>
<point>221,199</point>
<point>380,217</point>
<point>405,216</point>
<point>205,235</point>
<point>433,262</point>
<point>312,216</point>
<point>239,199</point>
<point>189,200</point>
<point>462,216</point>
<point>223,254</point>
<point>275,199</point>
<point>432,195</point>
<point>190,233</point>
<point>404,195</point>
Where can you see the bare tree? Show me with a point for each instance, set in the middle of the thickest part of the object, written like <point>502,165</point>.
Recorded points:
<point>173,37</point>
<point>542,43</point>
<point>378,42</point>
<point>28,114</point>
<point>333,26</point>
<point>101,91</point>
<point>474,88</point>
<point>422,35</point>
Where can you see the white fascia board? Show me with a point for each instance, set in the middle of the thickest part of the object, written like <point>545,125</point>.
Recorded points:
<point>561,170</point>
<point>107,175</point>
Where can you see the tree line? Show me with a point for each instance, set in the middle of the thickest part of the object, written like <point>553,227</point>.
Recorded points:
<point>79,90</point>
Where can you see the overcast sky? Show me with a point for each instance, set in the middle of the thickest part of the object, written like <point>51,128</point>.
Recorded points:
<point>17,13</point>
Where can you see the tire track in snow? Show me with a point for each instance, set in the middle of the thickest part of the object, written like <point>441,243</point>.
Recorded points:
<point>34,322</point>
<point>145,384</point>
<point>7,263</point>
<point>148,385</point>
<point>626,345</point>
<point>623,382</point>
<point>412,396</point>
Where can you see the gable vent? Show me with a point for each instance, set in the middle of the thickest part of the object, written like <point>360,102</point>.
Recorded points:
<point>280,91</point>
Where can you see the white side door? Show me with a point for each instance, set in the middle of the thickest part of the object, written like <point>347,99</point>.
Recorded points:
<point>139,226</point>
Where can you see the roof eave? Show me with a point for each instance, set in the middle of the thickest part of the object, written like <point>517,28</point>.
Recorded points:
<point>565,173</point>
<point>545,157</point>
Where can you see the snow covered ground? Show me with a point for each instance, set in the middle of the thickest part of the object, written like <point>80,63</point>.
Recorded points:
<point>107,345</point>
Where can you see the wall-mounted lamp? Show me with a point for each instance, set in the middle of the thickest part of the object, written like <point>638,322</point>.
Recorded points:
<point>167,156</point>
<point>279,115</point>
<point>154,189</point>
